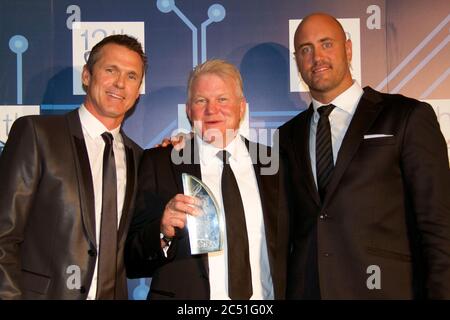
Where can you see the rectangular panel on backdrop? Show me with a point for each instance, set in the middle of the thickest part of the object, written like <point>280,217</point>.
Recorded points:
<point>85,35</point>
<point>9,114</point>
<point>351,28</point>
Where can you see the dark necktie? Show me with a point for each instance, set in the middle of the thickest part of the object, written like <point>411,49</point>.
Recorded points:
<point>324,150</point>
<point>239,272</point>
<point>108,227</point>
<point>324,168</point>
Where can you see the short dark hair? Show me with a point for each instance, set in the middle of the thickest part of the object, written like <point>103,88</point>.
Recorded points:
<point>120,39</point>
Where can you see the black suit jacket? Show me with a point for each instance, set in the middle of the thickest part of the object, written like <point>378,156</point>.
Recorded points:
<point>182,275</point>
<point>387,204</point>
<point>47,218</point>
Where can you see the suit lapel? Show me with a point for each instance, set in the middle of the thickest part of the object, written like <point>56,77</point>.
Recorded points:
<point>190,163</point>
<point>84,175</point>
<point>267,187</point>
<point>268,191</point>
<point>365,114</point>
<point>130,188</point>
<point>301,145</point>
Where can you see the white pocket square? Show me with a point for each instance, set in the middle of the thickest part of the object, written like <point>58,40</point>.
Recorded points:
<point>372,136</point>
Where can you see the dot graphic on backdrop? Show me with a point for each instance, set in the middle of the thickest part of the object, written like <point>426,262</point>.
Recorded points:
<point>165,5</point>
<point>18,44</point>
<point>216,12</point>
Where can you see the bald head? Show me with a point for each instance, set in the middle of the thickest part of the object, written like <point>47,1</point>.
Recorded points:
<point>323,19</point>
<point>323,56</point>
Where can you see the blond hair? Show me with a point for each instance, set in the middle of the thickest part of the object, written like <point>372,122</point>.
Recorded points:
<point>218,67</point>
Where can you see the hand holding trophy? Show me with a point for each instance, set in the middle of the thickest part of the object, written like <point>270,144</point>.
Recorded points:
<point>206,230</point>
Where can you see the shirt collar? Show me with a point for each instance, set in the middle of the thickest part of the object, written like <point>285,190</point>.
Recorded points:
<point>93,127</point>
<point>208,152</point>
<point>346,101</point>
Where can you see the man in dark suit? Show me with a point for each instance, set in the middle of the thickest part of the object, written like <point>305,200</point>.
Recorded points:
<point>158,242</point>
<point>68,186</point>
<point>370,183</point>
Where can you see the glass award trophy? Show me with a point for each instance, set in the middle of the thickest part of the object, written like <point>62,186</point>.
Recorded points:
<point>206,231</point>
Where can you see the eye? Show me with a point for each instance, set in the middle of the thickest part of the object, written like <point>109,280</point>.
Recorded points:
<point>111,71</point>
<point>132,76</point>
<point>200,101</point>
<point>223,100</point>
<point>304,50</point>
<point>327,45</point>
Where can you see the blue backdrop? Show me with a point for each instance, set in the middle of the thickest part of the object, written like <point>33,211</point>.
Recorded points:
<point>398,48</point>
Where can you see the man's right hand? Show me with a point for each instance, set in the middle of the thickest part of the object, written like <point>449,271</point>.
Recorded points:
<point>177,141</point>
<point>174,215</point>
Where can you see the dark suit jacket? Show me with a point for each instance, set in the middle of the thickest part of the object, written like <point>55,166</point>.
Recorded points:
<point>47,220</point>
<point>182,275</point>
<point>387,204</point>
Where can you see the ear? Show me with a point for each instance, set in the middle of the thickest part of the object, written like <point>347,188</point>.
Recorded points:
<point>85,76</point>
<point>348,50</point>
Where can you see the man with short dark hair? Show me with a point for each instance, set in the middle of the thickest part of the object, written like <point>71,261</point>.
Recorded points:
<point>68,187</point>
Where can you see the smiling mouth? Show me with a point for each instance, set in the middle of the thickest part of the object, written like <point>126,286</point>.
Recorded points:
<point>115,96</point>
<point>213,122</point>
<point>320,69</point>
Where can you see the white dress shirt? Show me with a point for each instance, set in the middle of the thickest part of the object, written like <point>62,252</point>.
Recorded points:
<point>211,171</point>
<point>95,145</point>
<point>340,119</point>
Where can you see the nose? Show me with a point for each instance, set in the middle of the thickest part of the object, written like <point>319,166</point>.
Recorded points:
<point>211,107</point>
<point>120,80</point>
<point>317,54</point>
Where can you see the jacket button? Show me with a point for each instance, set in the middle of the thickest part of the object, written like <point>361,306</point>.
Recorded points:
<point>324,215</point>
<point>82,289</point>
<point>91,253</point>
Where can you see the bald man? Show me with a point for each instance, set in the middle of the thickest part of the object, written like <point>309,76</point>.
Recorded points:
<point>369,183</point>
